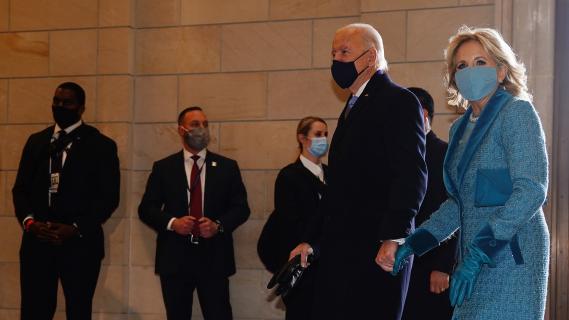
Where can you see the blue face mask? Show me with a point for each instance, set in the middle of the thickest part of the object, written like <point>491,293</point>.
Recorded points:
<point>475,83</point>
<point>318,147</point>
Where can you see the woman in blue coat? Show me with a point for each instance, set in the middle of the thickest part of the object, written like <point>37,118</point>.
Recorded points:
<point>495,173</point>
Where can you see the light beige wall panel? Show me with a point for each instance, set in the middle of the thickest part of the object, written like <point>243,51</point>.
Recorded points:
<point>143,243</point>
<point>116,241</point>
<point>125,191</point>
<point>267,46</point>
<point>254,303</point>
<point>114,98</point>
<point>375,5</point>
<point>297,94</point>
<point>156,99</point>
<point>10,239</point>
<point>9,204</point>
<point>10,288</point>
<point>53,14</point>
<point>392,27</point>
<point>30,99</point>
<point>259,185</point>
<point>4,15</point>
<point>3,100</point>
<point>428,31</point>
<point>4,193</point>
<point>323,34</point>
<point>294,9</point>
<point>259,145</point>
<point>426,75</point>
<point>137,188</point>
<point>116,50</point>
<point>474,2</point>
<point>223,11</point>
<point>15,136</point>
<point>111,294</point>
<point>73,52</point>
<point>145,295</point>
<point>9,314</point>
<point>245,238</point>
<point>235,96</point>
<point>152,13</point>
<point>178,50</point>
<point>121,134</point>
<point>153,142</point>
<point>115,13</point>
<point>24,54</point>
<point>441,124</point>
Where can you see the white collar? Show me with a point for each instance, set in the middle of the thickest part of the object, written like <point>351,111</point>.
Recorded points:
<point>188,155</point>
<point>68,129</point>
<point>316,169</point>
<point>361,89</point>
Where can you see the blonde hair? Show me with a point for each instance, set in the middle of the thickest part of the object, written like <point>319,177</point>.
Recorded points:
<point>493,43</point>
<point>371,38</point>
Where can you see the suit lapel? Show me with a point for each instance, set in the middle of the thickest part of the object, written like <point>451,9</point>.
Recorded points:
<point>484,123</point>
<point>211,177</point>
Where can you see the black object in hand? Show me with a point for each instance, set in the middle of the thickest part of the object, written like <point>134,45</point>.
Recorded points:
<point>288,276</point>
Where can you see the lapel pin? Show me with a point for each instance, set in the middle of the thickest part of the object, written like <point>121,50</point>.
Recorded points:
<point>214,164</point>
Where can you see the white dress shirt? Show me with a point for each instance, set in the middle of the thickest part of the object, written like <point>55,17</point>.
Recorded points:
<point>188,165</point>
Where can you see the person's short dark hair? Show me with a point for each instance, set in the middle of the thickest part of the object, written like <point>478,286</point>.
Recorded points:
<point>78,92</point>
<point>188,109</point>
<point>304,126</point>
<point>425,99</point>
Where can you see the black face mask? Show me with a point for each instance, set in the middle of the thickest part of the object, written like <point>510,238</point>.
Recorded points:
<point>345,73</point>
<point>65,117</point>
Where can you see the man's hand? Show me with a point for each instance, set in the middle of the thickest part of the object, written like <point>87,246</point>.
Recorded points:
<point>62,232</point>
<point>184,225</point>
<point>208,228</point>
<point>439,282</point>
<point>386,255</point>
<point>304,249</point>
<point>42,231</point>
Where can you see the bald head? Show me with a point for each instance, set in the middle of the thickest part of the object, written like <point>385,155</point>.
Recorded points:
<point>366,36</point>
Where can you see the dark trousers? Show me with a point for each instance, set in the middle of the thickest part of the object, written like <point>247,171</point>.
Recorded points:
<point>213,295</point>
<point>42,266</point>
<point>421,303</point>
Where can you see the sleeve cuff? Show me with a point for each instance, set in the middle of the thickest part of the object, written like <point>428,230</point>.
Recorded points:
<point>169,226</point>
<point>421,241</point>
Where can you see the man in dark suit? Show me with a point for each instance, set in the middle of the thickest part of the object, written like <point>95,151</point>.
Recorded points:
<point>377,180</point>
<point>428,295</point>
<point>195,247</point>
<point>67,186</point>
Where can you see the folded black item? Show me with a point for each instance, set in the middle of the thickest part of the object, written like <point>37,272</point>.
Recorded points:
<point>288,276</point>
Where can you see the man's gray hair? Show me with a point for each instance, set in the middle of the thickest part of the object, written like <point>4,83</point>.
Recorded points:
<point>371,38</point>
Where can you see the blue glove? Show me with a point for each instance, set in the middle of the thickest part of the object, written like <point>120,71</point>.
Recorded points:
<point>464,277</point>
<point>417,243</point>
<point>481,251</point>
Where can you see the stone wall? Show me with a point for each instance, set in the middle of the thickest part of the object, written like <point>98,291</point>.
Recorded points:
<point>255,66</point>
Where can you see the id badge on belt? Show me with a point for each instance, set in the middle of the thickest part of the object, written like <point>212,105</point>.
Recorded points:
<point>54,183</point>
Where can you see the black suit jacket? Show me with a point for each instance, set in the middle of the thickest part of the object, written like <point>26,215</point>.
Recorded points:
<point>297,196</point>
<point>88,192</point>
<point>377,180</point>
<point>225,199</point>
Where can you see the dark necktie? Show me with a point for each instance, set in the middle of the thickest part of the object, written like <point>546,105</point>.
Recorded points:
<point>196,210</point>
<point>57,148</point>
<point>351,103</point>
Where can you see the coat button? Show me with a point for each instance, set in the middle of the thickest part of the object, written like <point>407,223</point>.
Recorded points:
<point>492,243</point>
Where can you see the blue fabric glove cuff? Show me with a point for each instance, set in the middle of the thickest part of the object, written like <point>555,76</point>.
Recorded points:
<point>488,244</point>
<point>421,241</point>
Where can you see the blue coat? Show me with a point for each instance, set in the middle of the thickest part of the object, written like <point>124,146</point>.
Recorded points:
<point>499,178</point>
